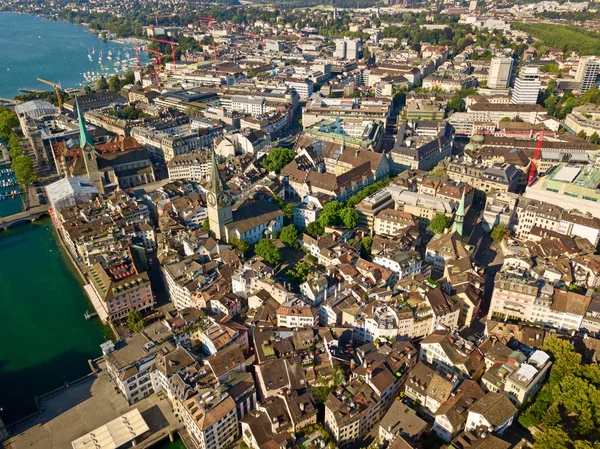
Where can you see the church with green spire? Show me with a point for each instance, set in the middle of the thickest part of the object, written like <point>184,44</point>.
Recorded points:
<point>89,152</point>
<point>459,216</point>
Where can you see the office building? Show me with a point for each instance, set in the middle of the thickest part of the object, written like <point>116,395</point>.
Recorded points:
<point>587,72</point>
<point>500,73</point>
<point>527,86</point>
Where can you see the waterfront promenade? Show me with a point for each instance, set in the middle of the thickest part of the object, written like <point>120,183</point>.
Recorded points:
<point>74,410</point>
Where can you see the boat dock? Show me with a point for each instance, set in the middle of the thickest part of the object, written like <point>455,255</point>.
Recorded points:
<point>29,90</point>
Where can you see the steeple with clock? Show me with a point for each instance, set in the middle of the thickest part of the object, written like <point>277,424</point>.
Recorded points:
<point>218,198</point>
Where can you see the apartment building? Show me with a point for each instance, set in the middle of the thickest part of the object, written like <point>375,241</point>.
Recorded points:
<point>350,109</point>
<point>297,314</point>
<point>519,378</point>
<point>371,206</point>
<point>211,420</point>
<point>389,222</point>
<point>192,166</point>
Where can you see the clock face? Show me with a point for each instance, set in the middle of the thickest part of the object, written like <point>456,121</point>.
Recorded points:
<point>211,199</point>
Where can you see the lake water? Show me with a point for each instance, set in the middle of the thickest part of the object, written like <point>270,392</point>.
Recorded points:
<point>33,47</point>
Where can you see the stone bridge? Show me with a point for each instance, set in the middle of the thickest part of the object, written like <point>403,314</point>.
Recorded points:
<point>27,216</point>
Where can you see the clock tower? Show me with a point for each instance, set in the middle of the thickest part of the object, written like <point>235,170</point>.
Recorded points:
<point>88,152</point>
<point>218,198</point>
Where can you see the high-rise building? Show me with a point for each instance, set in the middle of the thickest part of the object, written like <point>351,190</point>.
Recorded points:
<point>527,86</point>
<point>340,49</point>
<point>500,73</point>
<point>587,72</point>
<point>346,48</point>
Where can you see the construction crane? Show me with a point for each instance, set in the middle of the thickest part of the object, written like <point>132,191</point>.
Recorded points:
<point>211,23</point>
<point>173,45</point>
<point>158,59</point>
<point>57,89</point>
<point>538,148</point>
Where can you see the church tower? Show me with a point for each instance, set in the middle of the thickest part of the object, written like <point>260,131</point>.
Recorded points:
<point>219,201</point>
<point>459,216</point>
<point>89,153</point>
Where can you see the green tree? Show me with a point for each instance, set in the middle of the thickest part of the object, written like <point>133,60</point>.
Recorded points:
<point>315,229</point>
<point>552,438</point>
<point>439,223</point>
<point>114,84</point>
<point>300,272</point>
<point>289,236</point>
<point>102,84</point>
<point>8,121</point>
<point>366,243</point>
<point>349,217</point>
<point>206,225</point>
<point>585,423</point>
<point>288,210</point>
<point>278,158</point>
<point>330,214</point>
<point>135,322</point>
<point>240,244</point>
<point>581,134</point>
<point>23,168</point>
<point>439,171</point>
<point>595,138</point>
<point>498,232</point>
<point>268,251</point>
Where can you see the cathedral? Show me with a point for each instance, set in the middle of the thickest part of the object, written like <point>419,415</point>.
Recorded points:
<point>250,219</point>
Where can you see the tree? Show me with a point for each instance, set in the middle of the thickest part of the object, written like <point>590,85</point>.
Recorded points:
<point>102,84</point>
<point>552,438</point>
<point>135,322</point>
<point>240,244</point>
<point>114,84</point>
<point>288,210</point>
<point>498,232</point>
<point>330,215</point>
<point>8,121</point>
<point>439,223</point>
<point>268,251</point>
<point>349,217</point>
<point>581,134</point>
<point>278,158</point>
<point>23,168</point>
<point>595,138</point>
<point>289,236</point>
<point>505,119</point>
<point>315,229</point>
<point>585,423</point>
<point>206,225</point>
<point>366,243</point>
<point>300,272</point>
<point>439,171</point>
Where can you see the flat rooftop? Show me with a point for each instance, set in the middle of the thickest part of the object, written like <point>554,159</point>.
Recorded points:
<point>115,433</point>
<point>87,405</point>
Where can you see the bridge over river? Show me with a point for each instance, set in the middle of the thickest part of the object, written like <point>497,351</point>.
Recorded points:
<point>27,216</point>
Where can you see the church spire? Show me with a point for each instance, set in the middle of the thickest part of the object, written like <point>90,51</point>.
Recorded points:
<point>84,138</point>
<point>215,183</point>
<point>459,216</point>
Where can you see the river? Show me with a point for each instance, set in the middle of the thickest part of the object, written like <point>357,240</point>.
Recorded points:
<point>46,340</point>
<point>33,47</point>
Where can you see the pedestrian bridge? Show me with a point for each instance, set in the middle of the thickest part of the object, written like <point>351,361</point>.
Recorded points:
<point>27,216</point>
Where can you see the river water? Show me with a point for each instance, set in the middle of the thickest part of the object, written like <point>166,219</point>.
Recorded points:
<point>45,339</point>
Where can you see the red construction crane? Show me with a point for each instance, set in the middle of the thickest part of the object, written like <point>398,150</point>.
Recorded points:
<point>211,23</point>
<point>158,58</point>
<point>538,148</point>
<point>173,45</point>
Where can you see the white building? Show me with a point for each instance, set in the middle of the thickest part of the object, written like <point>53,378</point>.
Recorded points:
<point>587,72</point>
<point>500,73</point>
<point>527,86</point>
